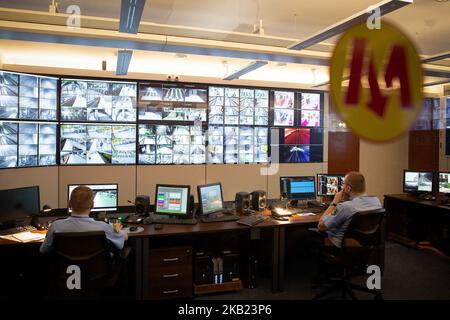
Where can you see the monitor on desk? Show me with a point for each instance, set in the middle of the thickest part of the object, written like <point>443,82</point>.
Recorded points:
<point>105,196</point>
<point>417,181</point>
<point>210,198</point>
<point>298,188</point>
<point>172,200</point>
<point>329,184</point>
<point>444,182</point>
<point>18,204</point>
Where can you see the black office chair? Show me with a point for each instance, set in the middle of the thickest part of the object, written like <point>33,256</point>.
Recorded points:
<point>361,240</point>
<point>101,266</point>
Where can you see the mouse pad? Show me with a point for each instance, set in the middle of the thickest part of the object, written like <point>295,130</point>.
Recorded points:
<point>139,229</point>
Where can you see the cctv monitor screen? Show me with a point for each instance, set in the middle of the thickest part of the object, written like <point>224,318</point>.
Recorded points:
<point>414,181</point>
<point>329,184</point>
<point>17,204</point>
<point>105,196</point>
<point>298,188</point>
<point>210,198</point>
<point>444,182</point>
<point>172,200</point>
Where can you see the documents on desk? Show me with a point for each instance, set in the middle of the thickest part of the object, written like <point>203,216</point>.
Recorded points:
<point>26,236</point>
<point>299,216</point>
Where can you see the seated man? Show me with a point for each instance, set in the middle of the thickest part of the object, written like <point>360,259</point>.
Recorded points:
<point>350,200</point>
<point>81,202</point>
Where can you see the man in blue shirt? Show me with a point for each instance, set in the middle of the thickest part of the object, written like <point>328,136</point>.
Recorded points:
<point>350,200</point>
<point>81,202</point>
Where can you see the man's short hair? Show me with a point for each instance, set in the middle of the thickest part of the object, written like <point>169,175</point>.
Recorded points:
<point>81,199</point>
<point>357,181</point>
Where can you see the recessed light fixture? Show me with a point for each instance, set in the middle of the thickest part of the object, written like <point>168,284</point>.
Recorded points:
<point>441,0</point>
<point>181,55</point>
<point>281,64</point>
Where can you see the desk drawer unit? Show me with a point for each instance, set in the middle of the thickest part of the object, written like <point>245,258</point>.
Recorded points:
<point>170,273</point>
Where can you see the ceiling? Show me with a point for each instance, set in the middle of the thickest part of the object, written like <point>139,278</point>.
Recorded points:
<point>425,21</point>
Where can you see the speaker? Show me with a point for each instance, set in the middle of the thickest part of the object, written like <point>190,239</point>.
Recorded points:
<point>259,200</point>
<point>203,268</point>
<point>230,266</point>
<point>191,205</point>
<point>242,202</point>
<point>142,205</point>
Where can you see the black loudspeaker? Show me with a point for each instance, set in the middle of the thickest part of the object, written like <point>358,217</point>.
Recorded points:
<point>242,202</point>
<point>142,204</point>
<point>230,266</point>
<point>191,205</point>
<point>203,268</point>
<point>259,200</point>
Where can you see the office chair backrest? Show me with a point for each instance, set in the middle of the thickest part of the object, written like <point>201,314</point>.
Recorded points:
<point>87,250</point>
<point>365,228</point>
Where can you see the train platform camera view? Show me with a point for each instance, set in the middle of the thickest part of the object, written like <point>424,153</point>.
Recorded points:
<point>444,182</point>
<point>211,204</point>
<point>105,196</point>
<point>18,204</point>
<point>417,182</point>
<point>329,184</point>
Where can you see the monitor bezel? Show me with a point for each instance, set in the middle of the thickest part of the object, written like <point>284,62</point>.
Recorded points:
<point>438,188</point>
<point>39,202</point>
<point>200,207</point>
<point>313,194</point>
<point>418,191</point>
<point>107,209</point>
<point>327,174</point>
<point>187,214</point>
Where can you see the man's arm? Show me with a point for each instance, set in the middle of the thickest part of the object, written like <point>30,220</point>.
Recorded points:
<point>330,210</point>
<point>47,245</point>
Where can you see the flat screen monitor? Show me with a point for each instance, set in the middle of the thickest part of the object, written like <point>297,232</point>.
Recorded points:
<point>18,204</point>
<point>329,184</point>
<point>298,188</point>
<point>105,196</point>
<point>444,182</point>
<point>172,200</point>
<point>210,198</point>
<point>417,181</point>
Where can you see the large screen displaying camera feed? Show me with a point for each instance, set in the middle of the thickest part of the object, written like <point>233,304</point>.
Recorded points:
<point>172,103</point>
<point>98,144</point>
<point>25,144</point>
<point>310,110</point>
<point>162,144</point>
<point>98,101</point>
<point>297,145</point>
<point>283,108</point>
<point>27,97</point>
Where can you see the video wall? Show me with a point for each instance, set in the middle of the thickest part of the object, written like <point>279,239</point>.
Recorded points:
<point>117,122</point>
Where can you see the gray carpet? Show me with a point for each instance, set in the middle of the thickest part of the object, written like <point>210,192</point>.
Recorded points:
<point>409,274</point>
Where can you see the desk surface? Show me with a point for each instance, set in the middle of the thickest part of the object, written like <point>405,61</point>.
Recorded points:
<point>414,199</point>
<point>201,227</point>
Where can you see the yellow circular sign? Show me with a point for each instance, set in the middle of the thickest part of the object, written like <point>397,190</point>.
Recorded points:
<point>376,81</point>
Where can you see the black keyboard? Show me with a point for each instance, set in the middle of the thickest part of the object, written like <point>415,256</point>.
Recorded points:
<point>305,210</point>
<point>14,230</point>
<point>174,221</point>
<point>220,217</point>
<point>252,219</point>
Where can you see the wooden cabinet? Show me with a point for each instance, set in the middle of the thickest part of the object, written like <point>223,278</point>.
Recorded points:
<point>170,273</point>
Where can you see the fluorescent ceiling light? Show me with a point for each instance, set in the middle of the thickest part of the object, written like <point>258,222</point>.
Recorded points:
<point>130,15</point>
<point>429,84</point>
<point>437,57</point>
<point>123,62</point>
<point>385,7</point>
<point>252,66</point>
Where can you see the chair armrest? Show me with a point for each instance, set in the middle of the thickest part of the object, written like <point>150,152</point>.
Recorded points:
<point>317,231</point>
<point>125,252</point>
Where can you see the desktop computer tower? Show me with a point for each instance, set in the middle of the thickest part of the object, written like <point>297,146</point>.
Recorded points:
<point>203,268</point>
<point>230,266</point>
<point>249,270</point>
<point>142,205</point>
<point>242,202</point>
<point>259,200</point>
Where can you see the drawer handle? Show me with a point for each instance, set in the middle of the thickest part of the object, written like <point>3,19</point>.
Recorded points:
<point>174,275</point>
<point>171,259</point>
<point>170,291</point>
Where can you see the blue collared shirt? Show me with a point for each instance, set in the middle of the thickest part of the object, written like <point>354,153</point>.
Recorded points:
<point>82,224</point>
<point>337,223</point>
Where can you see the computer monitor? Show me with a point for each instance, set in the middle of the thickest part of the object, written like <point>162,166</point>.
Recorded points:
<point>298,188</point>
<point>172,200</point>
<point>417,181</point>
<point>210,198</point>
<point>444,182</point>
<point>329,184</point>
<point>105,196</point>
<point>18,204</point>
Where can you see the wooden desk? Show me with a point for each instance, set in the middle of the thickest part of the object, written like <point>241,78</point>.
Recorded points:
<point>412,220</point>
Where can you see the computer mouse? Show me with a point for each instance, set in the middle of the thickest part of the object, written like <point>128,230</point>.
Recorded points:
<point>158,226</point>
<point>133,228</point>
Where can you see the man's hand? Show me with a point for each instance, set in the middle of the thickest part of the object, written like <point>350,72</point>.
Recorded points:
<point>339,197</point>
<point>117,227</point>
